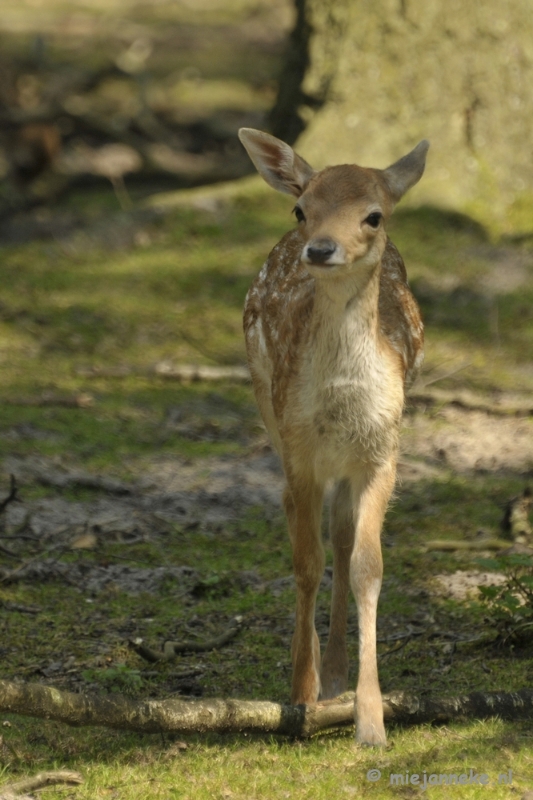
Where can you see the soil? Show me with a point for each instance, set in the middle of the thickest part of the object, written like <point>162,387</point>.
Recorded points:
<point>213,494</point>
<point>469,440</point>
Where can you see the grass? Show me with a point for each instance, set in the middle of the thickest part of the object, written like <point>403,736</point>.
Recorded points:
<point>176,295</point>
<point>250,767</point>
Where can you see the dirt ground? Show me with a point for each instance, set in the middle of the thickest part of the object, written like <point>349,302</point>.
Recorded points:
<point>467,440</point>
<point>215,492</point>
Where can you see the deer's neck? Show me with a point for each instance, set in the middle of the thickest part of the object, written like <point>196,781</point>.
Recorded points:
<point>345,324</point>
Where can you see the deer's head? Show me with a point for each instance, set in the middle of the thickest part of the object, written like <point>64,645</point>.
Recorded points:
<point>342,211</point>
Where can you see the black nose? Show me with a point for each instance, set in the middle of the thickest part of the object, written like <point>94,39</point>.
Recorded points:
<point>320,250</point>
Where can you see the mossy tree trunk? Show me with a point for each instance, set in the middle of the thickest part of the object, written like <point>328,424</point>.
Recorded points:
<point>379,75</point>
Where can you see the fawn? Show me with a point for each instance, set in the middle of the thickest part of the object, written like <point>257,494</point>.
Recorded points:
<point>333,336</point>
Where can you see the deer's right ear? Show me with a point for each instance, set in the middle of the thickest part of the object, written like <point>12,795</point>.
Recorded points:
<point>276,162</point>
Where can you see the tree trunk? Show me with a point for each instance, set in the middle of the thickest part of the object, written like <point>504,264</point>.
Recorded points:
<point>383,74</point>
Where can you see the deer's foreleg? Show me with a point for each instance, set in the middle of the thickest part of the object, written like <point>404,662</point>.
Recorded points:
<point>303,506</point>
<point>366,569</point>
<point>334,671</point>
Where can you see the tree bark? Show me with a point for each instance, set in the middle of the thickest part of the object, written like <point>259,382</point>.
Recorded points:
<point>285,121</point>
<point>255,716</point>
<point>382,74</point>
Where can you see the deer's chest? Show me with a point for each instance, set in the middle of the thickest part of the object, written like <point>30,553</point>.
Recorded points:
<point>346,412</point>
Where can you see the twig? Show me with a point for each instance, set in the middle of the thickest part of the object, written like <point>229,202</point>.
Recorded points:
<point>172,649</point>
<point>191,374</point>
<point>121,192</point>
<point>515,629</point>
<point>39,781</point>
<point>186,373</point>
<point>518,406</point>
<point>395,650</point>
<point>12,496</point>
<point>423,386</point>
<point>7,606</point>
<point>476,544</point>
<point>7,552</point>
<point>62,401</point>
<point>18,530</point>
<point>395,636</point>
<point>83,480</point>
<point>9,576</point>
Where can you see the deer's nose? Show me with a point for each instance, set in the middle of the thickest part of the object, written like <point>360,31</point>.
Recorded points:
<point>319,250</point>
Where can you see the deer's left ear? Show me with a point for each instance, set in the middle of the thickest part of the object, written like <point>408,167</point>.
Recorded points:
<point>404,173</point>
<point>276,162</point>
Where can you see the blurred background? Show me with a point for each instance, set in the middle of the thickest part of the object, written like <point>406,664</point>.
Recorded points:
<point>139,97</point>
<point>147,96</point>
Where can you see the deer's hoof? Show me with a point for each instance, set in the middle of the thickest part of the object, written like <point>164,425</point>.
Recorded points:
<point>371,734</point>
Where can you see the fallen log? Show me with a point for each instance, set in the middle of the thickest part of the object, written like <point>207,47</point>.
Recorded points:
<point>252,716</point>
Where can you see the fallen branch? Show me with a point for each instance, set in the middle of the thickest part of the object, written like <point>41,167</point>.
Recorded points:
<point>189,373</point>
<point>459,544</point>
<point>255,716</point>
<point>504,406</point>
<point>172,649</point>
<point>50,399</point>
<point>21,789</point>
<point>77,479</point>
<point>185,373</point>
<point>19,608</point>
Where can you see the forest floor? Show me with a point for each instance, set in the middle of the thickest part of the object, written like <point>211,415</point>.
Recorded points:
<point>150,506</point>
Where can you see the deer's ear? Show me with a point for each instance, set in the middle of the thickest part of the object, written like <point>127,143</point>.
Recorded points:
<point>276,162</point>
<point>404,173</point>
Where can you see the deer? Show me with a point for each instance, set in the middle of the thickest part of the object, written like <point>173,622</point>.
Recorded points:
<point>333,338</point>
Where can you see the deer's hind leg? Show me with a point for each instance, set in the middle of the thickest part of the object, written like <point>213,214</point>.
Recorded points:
<point>334,671</point>
<point>303,506</point>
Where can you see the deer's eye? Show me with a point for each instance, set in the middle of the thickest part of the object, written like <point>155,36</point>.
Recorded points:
<point>299,214</point>
<point>374,219</point>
